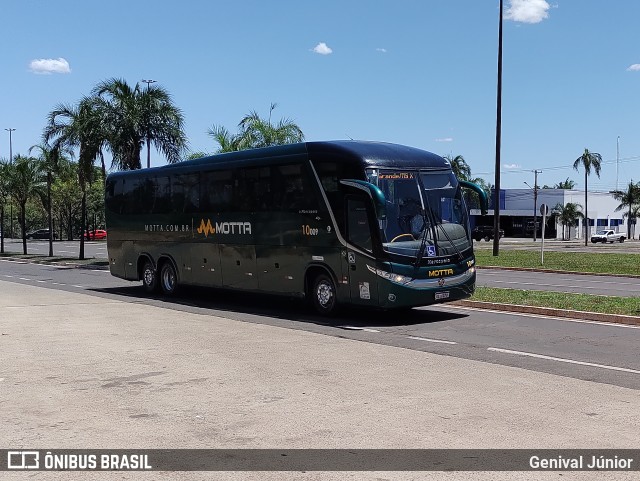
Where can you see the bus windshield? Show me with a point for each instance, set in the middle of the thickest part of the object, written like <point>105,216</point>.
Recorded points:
<point>426,216</point>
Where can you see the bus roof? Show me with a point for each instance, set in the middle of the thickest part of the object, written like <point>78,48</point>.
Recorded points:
<point>365,153</point>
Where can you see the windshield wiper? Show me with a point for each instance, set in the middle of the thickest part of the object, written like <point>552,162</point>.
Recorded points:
<point>426,221</point>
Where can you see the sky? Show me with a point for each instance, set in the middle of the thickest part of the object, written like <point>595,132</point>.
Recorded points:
<point>416,72</point>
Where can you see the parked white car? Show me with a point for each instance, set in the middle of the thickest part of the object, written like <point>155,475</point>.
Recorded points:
<point>605,236</point>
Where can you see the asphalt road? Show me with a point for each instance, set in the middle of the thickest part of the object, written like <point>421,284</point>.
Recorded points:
<point>544,281</point>
<point>599,352</point>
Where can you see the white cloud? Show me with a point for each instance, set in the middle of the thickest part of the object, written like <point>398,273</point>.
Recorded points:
<point>527,11</point>
<point>323,49</point>
<point>49,65</point>
<point>382,50</point>
<point>634,68</point>
<point>444,139</point>
<point>511,166</point>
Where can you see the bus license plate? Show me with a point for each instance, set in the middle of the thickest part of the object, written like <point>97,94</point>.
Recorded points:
<point>442,295</point>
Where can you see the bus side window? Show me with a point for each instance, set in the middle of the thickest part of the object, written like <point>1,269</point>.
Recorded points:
<point>292,185</point>
<point>259,179</point>
<point>113,195</point>
<point>129,195</point>
<point>185,193</point>
<point>146,195</point>
<point>358,227</point>
<point>216,191</point>
<point>162,201</point>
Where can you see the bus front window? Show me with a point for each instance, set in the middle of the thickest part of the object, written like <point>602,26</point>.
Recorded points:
<point>426,216</point>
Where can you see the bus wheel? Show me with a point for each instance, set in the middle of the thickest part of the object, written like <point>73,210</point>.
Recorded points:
<point>324,295</point>
<point>149,278</point>
<point>168,279</point>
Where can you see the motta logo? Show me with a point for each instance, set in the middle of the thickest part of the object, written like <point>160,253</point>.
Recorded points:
<point>441,273</point>
<point>207,227</point>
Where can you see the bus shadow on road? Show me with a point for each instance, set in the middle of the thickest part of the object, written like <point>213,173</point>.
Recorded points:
<point>284,308</point>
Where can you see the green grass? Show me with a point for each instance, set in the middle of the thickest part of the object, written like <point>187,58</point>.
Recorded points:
<point>629,306</point>
<point>616,264</point>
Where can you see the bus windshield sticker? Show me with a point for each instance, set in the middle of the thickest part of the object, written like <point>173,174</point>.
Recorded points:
<point>431,251</point>
<point>395,175</point>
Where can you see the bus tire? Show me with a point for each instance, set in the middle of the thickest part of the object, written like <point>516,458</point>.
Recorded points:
<point>323,295</point>
<point>149,278</point>
<point>168,279</point>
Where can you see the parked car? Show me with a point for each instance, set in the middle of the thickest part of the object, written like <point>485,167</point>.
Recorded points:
<point>38,234</point>
<point>484,232</point>
<point>605,236</point>
<point>96,234</point>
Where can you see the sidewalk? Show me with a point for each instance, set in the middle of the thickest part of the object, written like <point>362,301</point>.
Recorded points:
<point>80,371</point>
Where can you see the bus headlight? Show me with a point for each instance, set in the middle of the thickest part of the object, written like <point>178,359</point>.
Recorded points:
<point>390,276</point>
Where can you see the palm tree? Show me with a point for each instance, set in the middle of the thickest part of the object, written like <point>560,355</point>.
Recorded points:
<point>25,180</point>
<point>80,127</point>
<point>257,132</point>
<point>49,159</point>
<point>227,141</point>
<point>459,166</point>
<point>588,160</point>
<point>628,199</point>
<point>135,116</point>
<point>565,184</point>
<point>568,214</point>
<point>633,215</point>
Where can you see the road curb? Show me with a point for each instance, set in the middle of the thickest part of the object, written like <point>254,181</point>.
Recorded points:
<point>548,311</point>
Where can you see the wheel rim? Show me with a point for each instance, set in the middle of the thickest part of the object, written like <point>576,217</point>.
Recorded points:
<point>324,294</point>
<point>168,279</point>
<point>148,276</point>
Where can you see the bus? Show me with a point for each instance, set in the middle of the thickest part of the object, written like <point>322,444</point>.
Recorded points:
<point>334,222</point>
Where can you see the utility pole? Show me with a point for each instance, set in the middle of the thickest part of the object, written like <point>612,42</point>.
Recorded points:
<point>535,203</point>
<point>617,159</point>
<point>496,195</point>
<point>148,82</point>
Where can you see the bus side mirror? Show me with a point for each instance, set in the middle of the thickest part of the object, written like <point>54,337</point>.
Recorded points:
<point>374,193</point>
<point>484,201</point>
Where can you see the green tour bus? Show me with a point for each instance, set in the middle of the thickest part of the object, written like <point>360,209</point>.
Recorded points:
<point>342,222</point>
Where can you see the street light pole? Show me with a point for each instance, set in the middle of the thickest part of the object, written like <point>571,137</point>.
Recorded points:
<point>148,82</point>
<point>11,162</point>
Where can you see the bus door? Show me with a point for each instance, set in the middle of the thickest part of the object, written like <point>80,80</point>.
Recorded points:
<point>363,283</point>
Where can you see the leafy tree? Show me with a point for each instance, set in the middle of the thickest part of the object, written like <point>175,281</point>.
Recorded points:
<point>459,166</point>
<point>134,116</point>
<point>4,195</point>
<point>257,132</point>
<point>66,197</point>
<point>565,184</point>
<point>629,199</point>
<point>588,161</point>
<point>568,214</point>
<point>25,180</point>
<point>81,126</point>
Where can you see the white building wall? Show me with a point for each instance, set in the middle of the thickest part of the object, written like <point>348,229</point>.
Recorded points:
<point>601,205</point>
<point>601,208</point>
